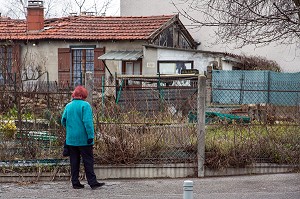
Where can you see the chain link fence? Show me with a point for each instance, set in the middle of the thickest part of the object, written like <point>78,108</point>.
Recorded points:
<point>140,122</point>
<point>30,130</point>
<point>253,117</point>
<point>144,120</point>
<point>153,119</point>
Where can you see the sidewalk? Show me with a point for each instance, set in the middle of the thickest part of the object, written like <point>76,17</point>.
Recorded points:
<point>276,186</point>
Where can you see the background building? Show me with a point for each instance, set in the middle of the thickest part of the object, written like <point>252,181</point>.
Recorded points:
<point>287,56</point>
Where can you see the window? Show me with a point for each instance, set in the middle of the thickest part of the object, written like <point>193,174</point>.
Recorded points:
<point>174,67</point>
<point>5,62</point>
<point>183,42</point>
<point>132,68</point>
<point>165,38</point>
<point>82,62</point>
<point>173,37</point>
<point>75,61</point>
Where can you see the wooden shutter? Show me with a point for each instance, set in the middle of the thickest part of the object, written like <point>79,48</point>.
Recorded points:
<point>99,68</point>
<point>98,64</point>
<point>16,61</point>
<point>64,65</point>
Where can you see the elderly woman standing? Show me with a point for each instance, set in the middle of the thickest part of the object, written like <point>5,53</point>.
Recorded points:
<point>77,118</point>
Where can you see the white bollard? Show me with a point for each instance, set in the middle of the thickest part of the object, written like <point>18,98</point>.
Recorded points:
<point>188,189</point>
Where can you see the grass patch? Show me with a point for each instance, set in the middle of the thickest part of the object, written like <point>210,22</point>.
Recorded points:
<point>242,145</point>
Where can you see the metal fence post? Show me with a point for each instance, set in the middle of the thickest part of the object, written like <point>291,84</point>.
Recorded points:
<point>48,90</point>
<point>188,189</point>
<point>201,124</point>
<point>89,85</point>
<point>103,95</point>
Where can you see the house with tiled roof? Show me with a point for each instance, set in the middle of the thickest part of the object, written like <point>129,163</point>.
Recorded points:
<point>68,47</point>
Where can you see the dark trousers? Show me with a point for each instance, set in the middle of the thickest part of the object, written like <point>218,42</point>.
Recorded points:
<point>86,152</point>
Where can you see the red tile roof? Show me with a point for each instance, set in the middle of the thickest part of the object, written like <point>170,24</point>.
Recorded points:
<point>86,28</point>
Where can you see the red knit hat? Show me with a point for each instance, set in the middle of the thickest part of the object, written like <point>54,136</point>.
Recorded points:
<point>80,93</point>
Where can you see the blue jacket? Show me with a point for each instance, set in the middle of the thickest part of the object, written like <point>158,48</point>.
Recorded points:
<point>77,118</point>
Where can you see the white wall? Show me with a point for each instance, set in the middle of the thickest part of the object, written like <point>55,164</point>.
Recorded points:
<point>48,53</point>
<point>287,56</point>
<point>149,61</point>
<point>42,53</point>
<point>201,59</point>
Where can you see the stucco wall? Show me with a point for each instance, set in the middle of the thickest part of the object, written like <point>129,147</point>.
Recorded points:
<point>150,61</point>
<point>201,59</point>
<point>46,53</point>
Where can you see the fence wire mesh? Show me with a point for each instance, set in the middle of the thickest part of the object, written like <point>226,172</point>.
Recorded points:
<point>153,120</point>
<point>144,120</point>
<point>133,124</point>
<point>253,117</point>
<point>30,128</point>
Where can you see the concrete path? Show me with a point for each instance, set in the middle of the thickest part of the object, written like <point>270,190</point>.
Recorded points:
<point>276,186</point>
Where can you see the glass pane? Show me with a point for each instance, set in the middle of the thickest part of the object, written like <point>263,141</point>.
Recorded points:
<point>183,43</point>
<point>167,68</point>
<point>188,65</point>
<point>9,59</point>
<point>90,60</point>
<point>129,68</point>
<point>90,55</point>
<point>182,66</point>
<point>90,66</point>
<point>77,67</point>
<point>179,66</point>
<point>137,68</point>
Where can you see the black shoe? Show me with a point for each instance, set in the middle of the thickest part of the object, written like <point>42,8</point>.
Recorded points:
<point>78,186</point>
<point>97,185</point>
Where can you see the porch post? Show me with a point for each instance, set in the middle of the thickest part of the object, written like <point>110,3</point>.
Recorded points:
<point>201,124</point>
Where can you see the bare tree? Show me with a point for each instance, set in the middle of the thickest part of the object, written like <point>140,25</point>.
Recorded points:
<point>80,4</point>
<point>257,63</point>
<point>94,7</point>
<point>15,8</point>
<point>246,22</point>
<point>50,7</point>
<point>102,9</point>
<point>56,8</point>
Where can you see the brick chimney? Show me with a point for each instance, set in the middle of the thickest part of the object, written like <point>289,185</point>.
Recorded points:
<point>35,16</point>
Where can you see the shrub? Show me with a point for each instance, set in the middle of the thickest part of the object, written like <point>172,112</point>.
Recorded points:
<point>8,129</point>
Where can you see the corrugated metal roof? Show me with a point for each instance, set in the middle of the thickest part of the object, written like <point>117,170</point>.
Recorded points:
<point>122,55</point>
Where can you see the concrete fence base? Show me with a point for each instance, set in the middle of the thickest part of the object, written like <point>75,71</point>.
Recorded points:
<point>146,171</point>
<point>256,169</point>
<point>150,171</point>
<point>33,177</point>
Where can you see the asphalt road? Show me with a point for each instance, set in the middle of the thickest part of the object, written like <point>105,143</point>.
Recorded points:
<point>276,186</point>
